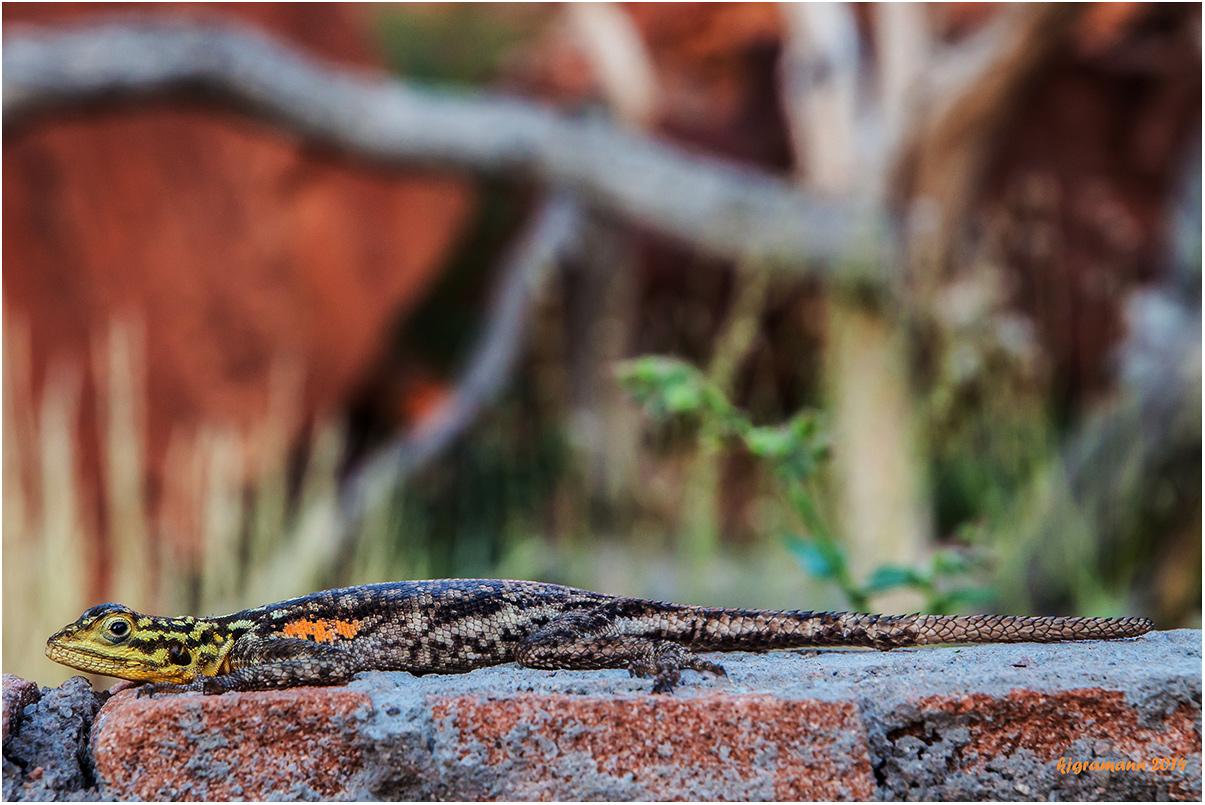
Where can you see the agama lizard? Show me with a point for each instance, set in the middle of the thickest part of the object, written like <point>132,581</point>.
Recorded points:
<point>458,625</point>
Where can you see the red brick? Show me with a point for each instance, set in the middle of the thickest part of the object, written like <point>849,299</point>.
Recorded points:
<point>300,744</point>
<point>673,749</point>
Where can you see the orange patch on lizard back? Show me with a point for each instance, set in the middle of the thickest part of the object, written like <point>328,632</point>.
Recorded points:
<point>322,630</point>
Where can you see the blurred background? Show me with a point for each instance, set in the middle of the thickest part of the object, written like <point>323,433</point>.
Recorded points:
<point>217,332</point>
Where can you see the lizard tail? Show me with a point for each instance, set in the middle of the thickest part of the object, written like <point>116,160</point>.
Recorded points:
<point>1011,629</point>
<point>737,630</point>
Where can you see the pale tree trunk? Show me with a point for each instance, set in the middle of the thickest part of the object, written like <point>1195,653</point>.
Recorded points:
<point>877,467</point>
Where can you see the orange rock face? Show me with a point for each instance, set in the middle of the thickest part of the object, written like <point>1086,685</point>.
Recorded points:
<point>233,247</point>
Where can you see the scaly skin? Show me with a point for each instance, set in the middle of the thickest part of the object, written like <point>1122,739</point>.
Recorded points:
<point>456,625</point>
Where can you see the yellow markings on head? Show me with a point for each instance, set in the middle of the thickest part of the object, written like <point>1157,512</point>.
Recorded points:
<point>116,641</point>
<point>321,630</point>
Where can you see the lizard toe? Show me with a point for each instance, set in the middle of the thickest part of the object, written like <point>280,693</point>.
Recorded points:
<point>666,681</point>
<point>149,690</point>
<point>642,670</point>
<point>715,669</point>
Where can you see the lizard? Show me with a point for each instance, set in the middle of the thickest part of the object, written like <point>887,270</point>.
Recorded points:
<point>457,625</point>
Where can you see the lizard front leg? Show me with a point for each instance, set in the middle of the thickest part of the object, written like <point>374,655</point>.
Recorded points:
<point>270,664</point>
<point>569,643</point>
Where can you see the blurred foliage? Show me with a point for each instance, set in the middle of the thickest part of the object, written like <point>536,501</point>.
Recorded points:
<point>453,44</point>
<point>457,518</point>
<point>796,452</point>
<point>987,419</point>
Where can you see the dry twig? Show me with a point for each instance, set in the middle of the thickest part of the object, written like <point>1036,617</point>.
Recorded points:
<point>553,232</point>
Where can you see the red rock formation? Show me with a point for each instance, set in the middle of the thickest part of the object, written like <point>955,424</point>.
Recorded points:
<point>233,246</point>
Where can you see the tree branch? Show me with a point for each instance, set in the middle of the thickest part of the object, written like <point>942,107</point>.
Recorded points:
<point>717,207</point>
<point>554,231</point>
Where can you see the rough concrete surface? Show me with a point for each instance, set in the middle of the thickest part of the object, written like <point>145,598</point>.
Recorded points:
<point>46,755</point>
<point>18,694</point>
<point>976,722</point>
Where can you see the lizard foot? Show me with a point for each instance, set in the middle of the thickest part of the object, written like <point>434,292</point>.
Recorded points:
<point>667,665</point>
<point>702,666</point>
<point>149,690</point>
<point>666,680</point>
<point>665,672</point>
<point>199,686</point>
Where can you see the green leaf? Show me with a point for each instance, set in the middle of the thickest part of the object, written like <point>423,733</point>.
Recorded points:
<point>823,560</point>
<point>665,385</point>
<point>772,443</point>
<point>972,596</point>
<point>950,563</point>
<point>804,426</point>
<point>682,398</point>
<point>890,577</point>
<point>787,448</point>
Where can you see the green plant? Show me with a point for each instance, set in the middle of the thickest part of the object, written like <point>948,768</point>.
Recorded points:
<point>796,452</point>
<point>457,45</point>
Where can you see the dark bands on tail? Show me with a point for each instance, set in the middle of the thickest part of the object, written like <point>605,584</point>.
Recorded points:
<point>752,630</point>
<point>1011,629</point>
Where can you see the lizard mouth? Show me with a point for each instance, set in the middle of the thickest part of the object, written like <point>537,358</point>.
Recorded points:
<point>84,660</point>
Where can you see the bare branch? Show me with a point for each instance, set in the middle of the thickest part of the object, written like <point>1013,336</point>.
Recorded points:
<point>820,72</point>
<point>555,230</point>
<point>717,207</point>
<point>904,46</point>
<point>621,63</point>
<point>974,88</point>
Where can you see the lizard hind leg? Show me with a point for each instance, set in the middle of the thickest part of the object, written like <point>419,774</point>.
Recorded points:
<point>663,660</point>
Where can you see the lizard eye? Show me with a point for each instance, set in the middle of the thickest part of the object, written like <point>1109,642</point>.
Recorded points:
<point>179,655</point>
<point>117,629</point>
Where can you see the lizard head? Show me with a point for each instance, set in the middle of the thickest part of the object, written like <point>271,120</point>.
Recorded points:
<point>114,640</point>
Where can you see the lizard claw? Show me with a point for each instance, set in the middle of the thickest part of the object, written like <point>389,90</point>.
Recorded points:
<point>667,669</point>
<point>666,680</point>
<point>149,690</point>
<point>715,669</point>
